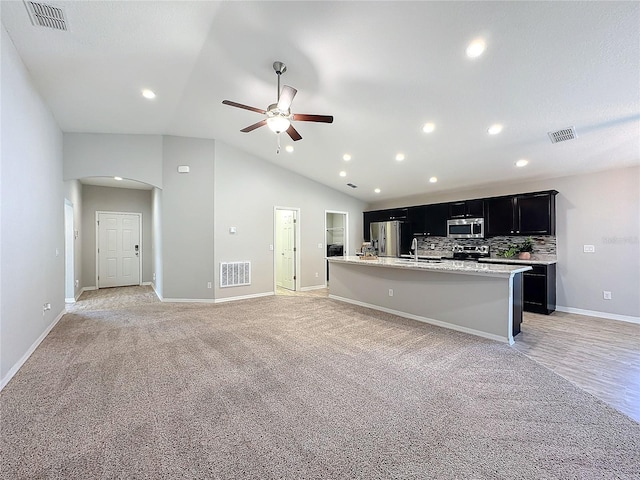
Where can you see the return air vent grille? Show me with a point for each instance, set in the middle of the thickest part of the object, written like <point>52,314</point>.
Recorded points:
<point>44,15</point>
<point>234,274</point>
<point>352,185</point>
<point>562,135</point>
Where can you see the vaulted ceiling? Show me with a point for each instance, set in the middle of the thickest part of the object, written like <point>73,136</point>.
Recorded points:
<point>382,69</point>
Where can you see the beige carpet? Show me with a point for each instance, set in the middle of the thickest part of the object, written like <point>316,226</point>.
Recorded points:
<point>294,387</point>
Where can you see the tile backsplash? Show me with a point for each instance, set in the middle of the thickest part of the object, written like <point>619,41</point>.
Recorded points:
<point>542,245</point>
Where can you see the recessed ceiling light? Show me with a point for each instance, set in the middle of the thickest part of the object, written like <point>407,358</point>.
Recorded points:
<point>146,93</point>
<point>429,127</point>
<point>117,178</point>
<point>289,148</point>
<point>433,179</point>
<point>522,162</point>
<point>377,190</point>
<point>343,173</point>
<point>476,48</point>
<point>346,157</point>
<point>494,129</point>
<point>400,157</point>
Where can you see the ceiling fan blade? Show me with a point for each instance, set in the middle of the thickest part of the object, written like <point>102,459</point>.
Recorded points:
<point>246,107</point>
<point>251,128</point>
<point>293,133</point>
<point>286,97</point>
<point>303,117</point>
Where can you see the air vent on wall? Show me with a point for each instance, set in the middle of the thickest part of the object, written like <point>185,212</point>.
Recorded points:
<point>234,274</point>
<point>568,133</point>
<point>44,15</point>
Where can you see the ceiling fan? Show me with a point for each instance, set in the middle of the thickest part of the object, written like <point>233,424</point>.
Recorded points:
<point>278,115</point>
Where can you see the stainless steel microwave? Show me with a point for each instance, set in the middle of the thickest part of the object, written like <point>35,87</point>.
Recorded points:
<point>465,228</point>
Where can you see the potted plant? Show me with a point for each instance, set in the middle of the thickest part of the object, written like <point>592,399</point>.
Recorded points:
<point>522,251</point>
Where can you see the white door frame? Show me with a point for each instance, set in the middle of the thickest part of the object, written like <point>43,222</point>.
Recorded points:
<point>69,253</point>
<point>139,215</point>
<point>346,237</point>
<point>297,246</point>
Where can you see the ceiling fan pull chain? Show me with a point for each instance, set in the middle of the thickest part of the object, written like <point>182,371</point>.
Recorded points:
<point>278,149</point>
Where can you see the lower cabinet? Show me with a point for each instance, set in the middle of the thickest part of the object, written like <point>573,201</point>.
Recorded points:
<point>539,289</point>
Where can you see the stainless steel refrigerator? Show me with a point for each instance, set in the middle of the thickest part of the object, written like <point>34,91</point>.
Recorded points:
<point>390,238</point>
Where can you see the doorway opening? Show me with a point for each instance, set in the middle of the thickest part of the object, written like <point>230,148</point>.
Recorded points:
<point>286,249</point>
<point>69,266</point>
<point>336,235</point>
<point>118,249</point>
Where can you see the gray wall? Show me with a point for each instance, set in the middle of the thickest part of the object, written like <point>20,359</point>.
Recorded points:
<point>187,218</point>
<point>73,193</point>
<point>246,191</point>
<point>136,157</point>
<point>32,214</point>
<point>601,209</point>
<point>108,199</point>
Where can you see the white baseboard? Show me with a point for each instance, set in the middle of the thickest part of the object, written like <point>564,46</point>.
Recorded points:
<point>153,285</point>
<point>188,300</point>
<point>69,300</point>
<point>593,313</point>
<point>10,374</point>
<point>146,283</point>
<point>312,287</point>
<point>431,321</point>
<point>243,297</point>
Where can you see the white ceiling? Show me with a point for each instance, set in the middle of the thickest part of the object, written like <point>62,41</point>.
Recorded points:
<point>382,69</point>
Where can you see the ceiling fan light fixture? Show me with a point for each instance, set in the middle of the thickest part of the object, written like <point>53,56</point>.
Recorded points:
<point>278,124</point>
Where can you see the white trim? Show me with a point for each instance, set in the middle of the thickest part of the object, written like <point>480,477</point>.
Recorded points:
<point>243,297</point>
<point>188,300</point>
<point>139,215</point>
<point>153,285</point>
<point>346,239</point>
<point>69,300</point>
<point>146,283</point>
<point>593,313</point>
<point>313,287</point>
<point>298,252</point>
<point>7,378</point>
<point>431,321</point>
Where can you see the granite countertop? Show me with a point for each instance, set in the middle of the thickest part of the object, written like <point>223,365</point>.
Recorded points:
<point>534,260</point>
<point>448,266</point>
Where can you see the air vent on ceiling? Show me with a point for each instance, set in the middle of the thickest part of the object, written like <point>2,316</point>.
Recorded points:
<point>568,133</point>
<point>44,15</point>
<point>352,185</point>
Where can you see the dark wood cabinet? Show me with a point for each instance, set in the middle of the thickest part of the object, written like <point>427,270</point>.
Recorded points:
<point>381,216</point>
<point>429,220</point>
<point>467,209</point>
<point>538,288</point>
<point>528,214</point>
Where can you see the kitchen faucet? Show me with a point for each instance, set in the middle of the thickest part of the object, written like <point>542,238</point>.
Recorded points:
<point>414,247</point>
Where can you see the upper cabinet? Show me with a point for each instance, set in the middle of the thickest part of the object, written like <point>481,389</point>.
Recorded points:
<point>429,220</point>
<point>467,209</point>
<point>526,214</point>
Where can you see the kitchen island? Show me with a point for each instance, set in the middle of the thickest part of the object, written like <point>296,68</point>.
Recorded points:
<point>477,298</point>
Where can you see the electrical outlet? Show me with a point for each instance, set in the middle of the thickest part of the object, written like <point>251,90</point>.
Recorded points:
<point>154,275</point>
<point>432,246</point>
<point>77,283</point>
<point>606,295</point>
<point>208,284</point>
<point>271,247</point>
<point>391,292</point>
<point>589,249</point>
<point>319,245</point>
<point>316,274</point>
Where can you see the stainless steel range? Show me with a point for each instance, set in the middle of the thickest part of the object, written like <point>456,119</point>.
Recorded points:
<point>470,252</point>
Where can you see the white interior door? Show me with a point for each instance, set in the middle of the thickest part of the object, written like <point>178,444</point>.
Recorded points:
<point>118,249</point>
<point>286,249</point>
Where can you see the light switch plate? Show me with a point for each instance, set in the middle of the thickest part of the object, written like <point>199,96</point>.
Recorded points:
<point>589,249</point>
